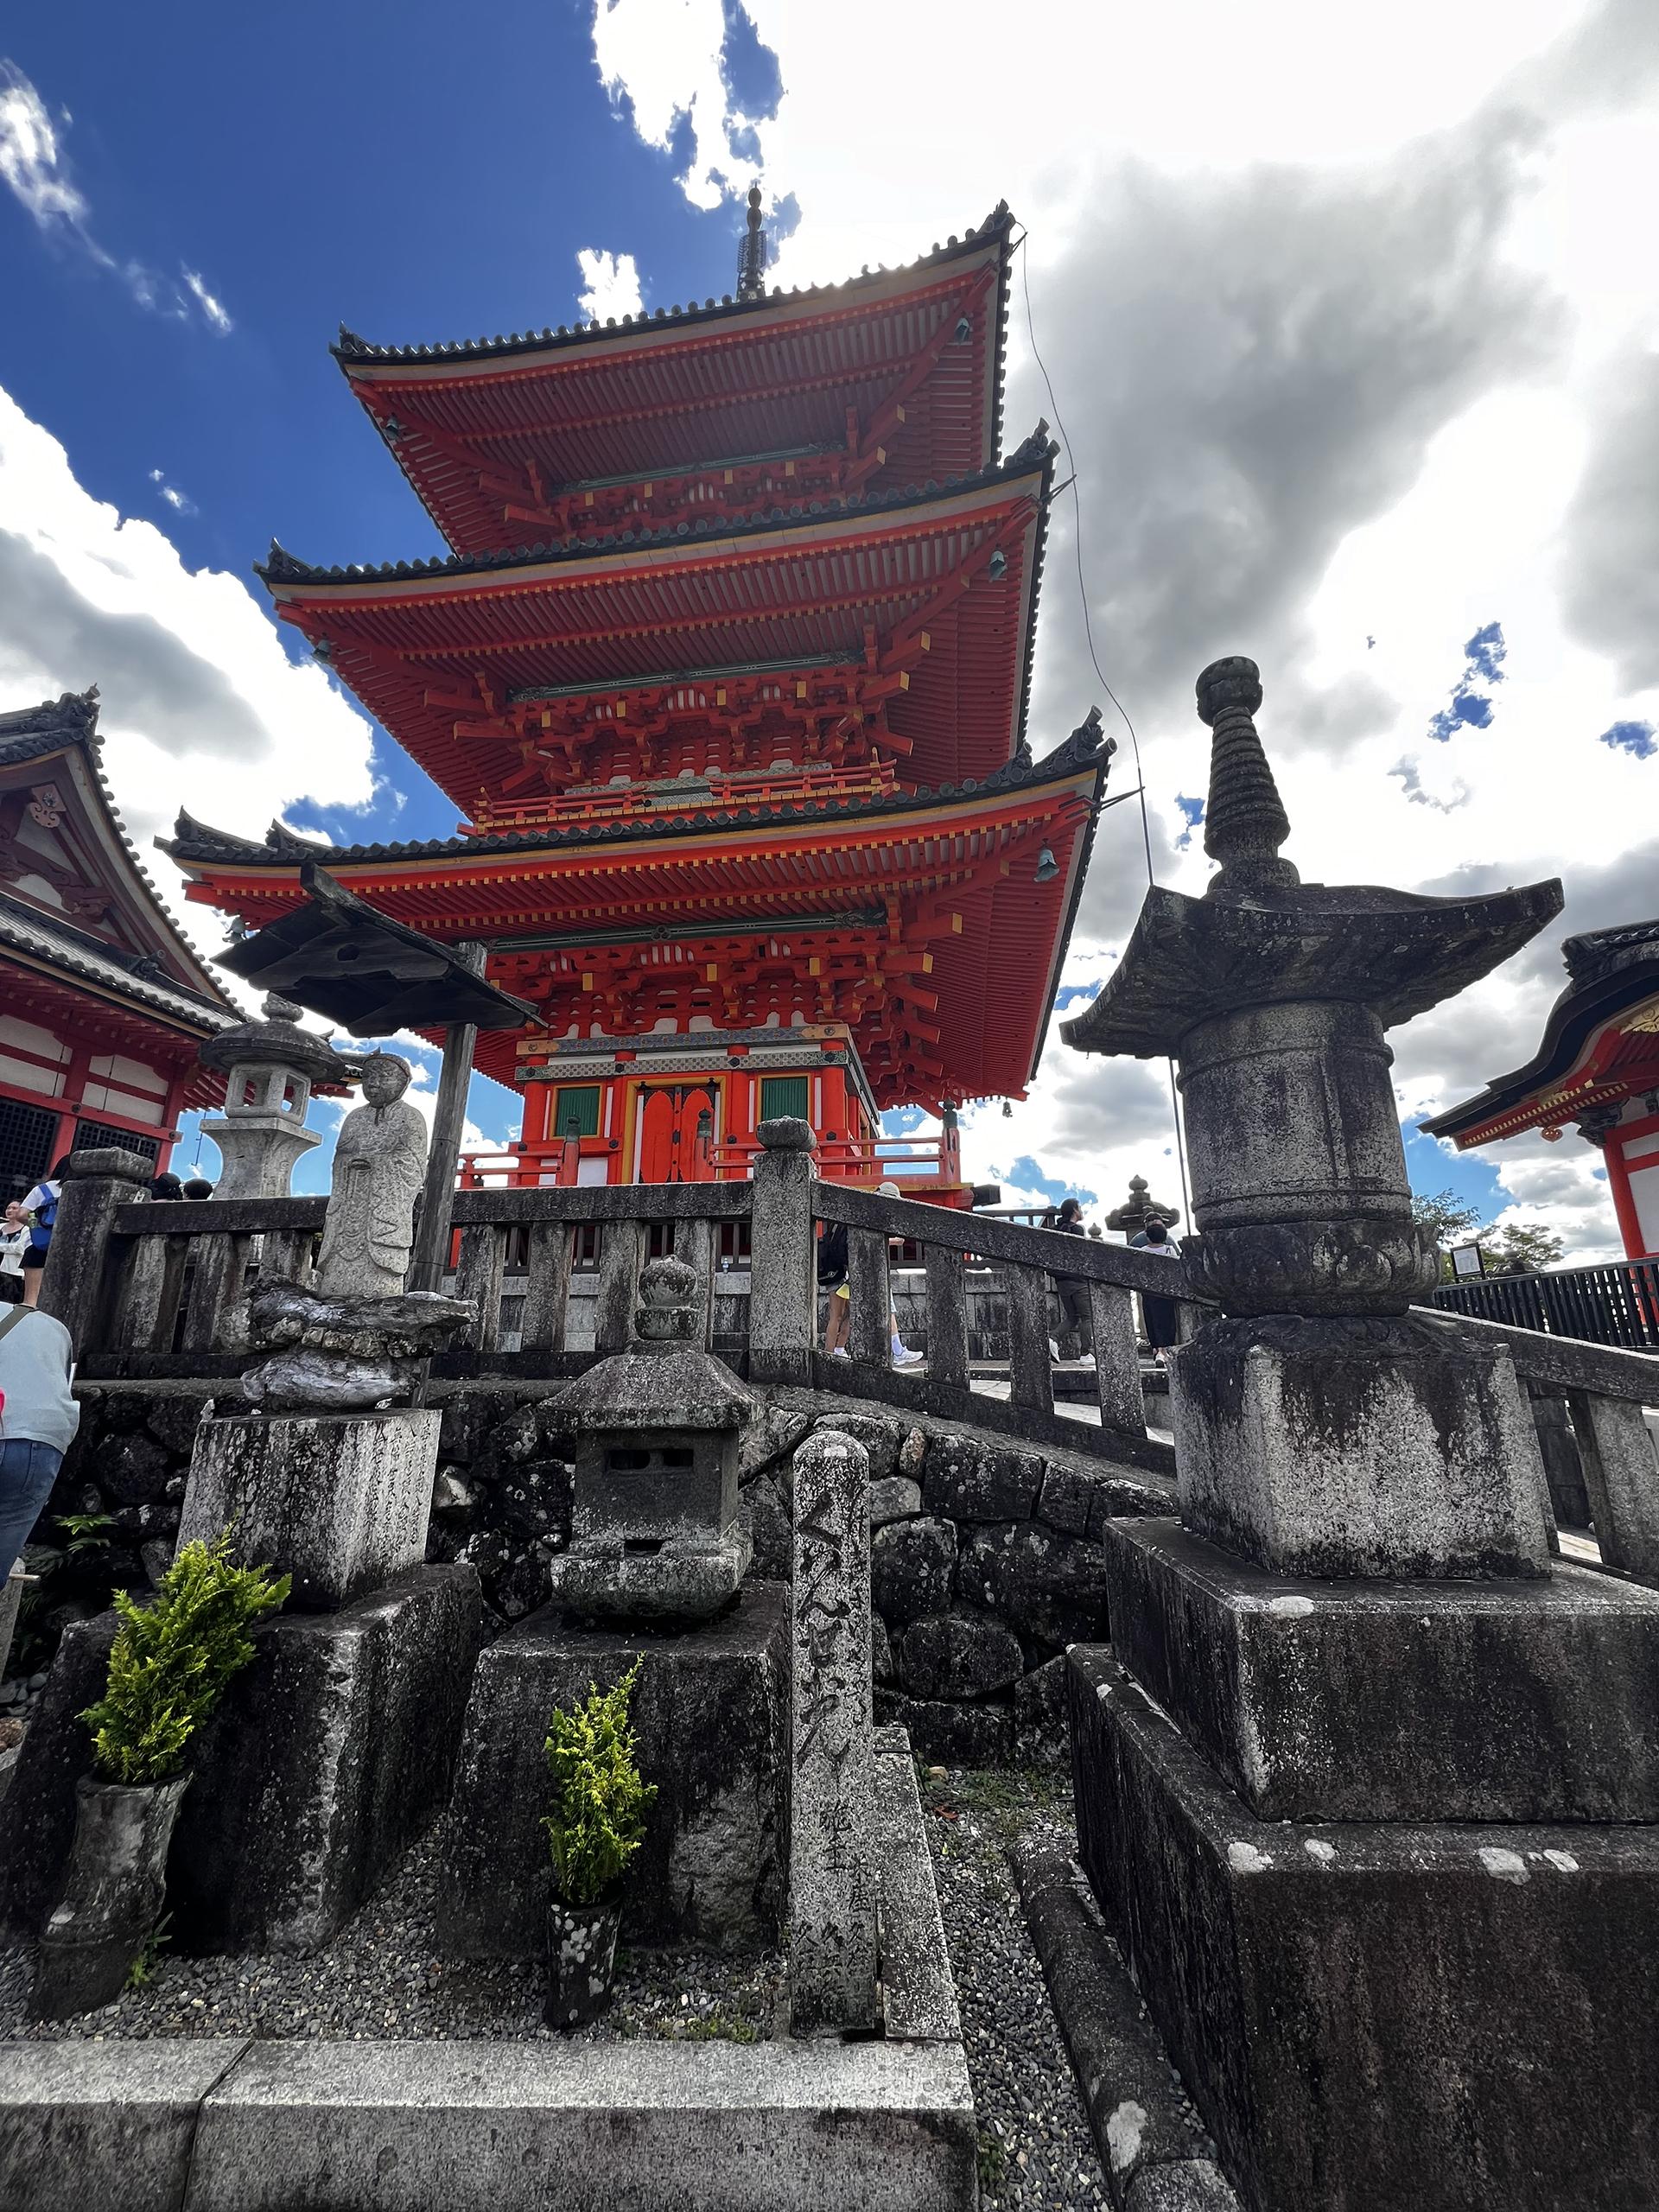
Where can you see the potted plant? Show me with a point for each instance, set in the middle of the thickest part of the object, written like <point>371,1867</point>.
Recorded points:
<point>597,1823</point>
<point>168,1668</point>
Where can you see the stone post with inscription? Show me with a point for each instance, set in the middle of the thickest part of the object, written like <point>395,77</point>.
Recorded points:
<point>832,1880</point>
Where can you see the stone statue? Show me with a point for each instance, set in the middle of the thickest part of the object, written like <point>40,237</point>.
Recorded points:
<point>379,1162</point>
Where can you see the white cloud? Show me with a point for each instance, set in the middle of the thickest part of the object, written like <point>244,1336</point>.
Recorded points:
<point>180,502</point>
<point>200,705</point>
<point>34,166</point>
<point>210,307</point>
<point>1354,338</point>
<point>610,285</point>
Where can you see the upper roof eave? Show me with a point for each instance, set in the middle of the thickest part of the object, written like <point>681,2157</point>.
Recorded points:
<point>354,353</point>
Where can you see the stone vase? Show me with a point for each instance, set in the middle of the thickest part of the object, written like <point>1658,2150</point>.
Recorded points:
<point>580,1960</point>
<point>118,1880</point>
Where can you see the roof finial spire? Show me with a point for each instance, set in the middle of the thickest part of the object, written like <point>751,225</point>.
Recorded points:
<point>752,252</point>
<point>1244,819</point>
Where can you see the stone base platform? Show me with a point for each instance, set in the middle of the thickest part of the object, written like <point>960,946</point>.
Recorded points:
<point>711,1716</point>
<point>1316,1699</point>
<point>1459,2018</point>
<point>331,1752</point>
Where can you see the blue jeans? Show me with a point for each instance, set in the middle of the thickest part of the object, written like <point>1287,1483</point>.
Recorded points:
<point>28,1471</point>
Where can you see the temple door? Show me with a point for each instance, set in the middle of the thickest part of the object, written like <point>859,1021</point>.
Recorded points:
<point>669,1148</point>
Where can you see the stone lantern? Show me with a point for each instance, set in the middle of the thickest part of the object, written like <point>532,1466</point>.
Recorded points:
<point>1138,1208</point>
<point>269,1066</point>
<point>655,1533</point>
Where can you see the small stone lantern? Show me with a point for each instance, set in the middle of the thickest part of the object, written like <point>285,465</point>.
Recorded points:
<point>655,1533</point>
<point>269,1066</point>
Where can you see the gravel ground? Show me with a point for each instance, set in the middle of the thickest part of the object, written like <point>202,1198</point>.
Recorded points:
<point>381,1977</point>
<point>1036,2153</point>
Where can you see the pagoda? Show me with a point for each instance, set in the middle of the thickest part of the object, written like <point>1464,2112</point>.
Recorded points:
<point>728,673</point>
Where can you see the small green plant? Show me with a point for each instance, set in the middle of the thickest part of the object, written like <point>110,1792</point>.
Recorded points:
<point>172,1658</point>
<point>993,2161</point>
<point>598,1819</point>
<point>141,1972</point>
<point>86,1531</point>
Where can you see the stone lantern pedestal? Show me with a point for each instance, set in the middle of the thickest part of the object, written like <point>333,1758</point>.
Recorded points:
<point>270,1067</point>
<point>1364,1781</point>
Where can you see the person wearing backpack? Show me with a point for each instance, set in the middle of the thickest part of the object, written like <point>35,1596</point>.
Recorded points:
<point>38,1420</point>
<point>42,1207</point>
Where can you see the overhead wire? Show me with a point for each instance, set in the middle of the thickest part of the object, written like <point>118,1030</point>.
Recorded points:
<point>1070,485</point>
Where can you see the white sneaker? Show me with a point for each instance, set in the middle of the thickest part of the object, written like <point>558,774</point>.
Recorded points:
<point>903,1357</point>
<point>1086,1360</point>
<point>1053,1349</point>
<point>840,1352</point>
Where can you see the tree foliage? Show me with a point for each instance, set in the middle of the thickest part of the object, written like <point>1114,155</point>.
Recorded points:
<point>172,1657</point>
<point>598,1819</point>
<point>1445,1216</point>
<point>1522,1248</point>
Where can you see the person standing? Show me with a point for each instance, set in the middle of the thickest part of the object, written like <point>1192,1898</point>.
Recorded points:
<point>1163,1328</point>
<point>41,1206</point>
<point>38,1420</point>
<point>14,1243</point>
<point>839,1321</point>
<point>1073,1295</point>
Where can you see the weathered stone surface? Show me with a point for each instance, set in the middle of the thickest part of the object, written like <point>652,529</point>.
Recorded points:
<point>770,1530</point>
<point>777,2126</point>
<point>1139,2120</point>
<point>406,1324</point>
<point>104,2126</point>
<point>1050,1586</point>
<point>1039,1703</point>
<point>710,1714</point>
<point>341,1502</point>
<point>918,1993</point>
<point>880,1649</point>
<point>959,1655</point>
<point>1360,1700</point>
<point>37,1812</point>
<point>913,1564</point>
<point>132,1469</point>
<point>1065,1499</point>
<point>1364,2012</point>
<point>832,1873</point>
<point>952,1735</point>
<point>898,1499</point>
<point>882,1438</point>
<point>968,1480</point>
<point>912,1453</point>
<point>332,1751</point>
<point>1190,2185</point>
<point>1358,1447</point>
<point>771,1436</point>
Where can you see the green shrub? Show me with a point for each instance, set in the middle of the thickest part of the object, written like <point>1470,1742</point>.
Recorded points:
<point>598,1819</point>
<point>172,1658</point>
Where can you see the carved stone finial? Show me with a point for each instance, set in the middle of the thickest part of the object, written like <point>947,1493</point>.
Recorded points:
<point>275,1008</point>
<point>1244,818</point>
<point>752,252</point>
<point>667,1313</point>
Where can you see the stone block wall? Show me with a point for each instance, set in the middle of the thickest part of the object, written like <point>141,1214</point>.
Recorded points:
<point>986,1559</point>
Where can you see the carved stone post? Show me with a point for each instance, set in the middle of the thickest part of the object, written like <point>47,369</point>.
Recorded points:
<point>783,1293</point>
<point>77,1287</point>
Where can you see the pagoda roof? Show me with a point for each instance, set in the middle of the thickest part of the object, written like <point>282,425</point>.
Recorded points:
<point>78,849</point>
<point>426,645</point>
<point>1600,1043</point>
<point>940,872</point>
<point>653,393</point>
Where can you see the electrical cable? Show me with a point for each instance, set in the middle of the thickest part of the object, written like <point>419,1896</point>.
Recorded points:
<point>1070,485</point>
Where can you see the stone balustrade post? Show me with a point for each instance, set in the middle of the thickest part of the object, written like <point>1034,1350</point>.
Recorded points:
<point>77,1285</point>
<point>783,1280</point>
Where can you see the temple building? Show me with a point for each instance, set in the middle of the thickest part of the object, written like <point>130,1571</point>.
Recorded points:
<point>103,1004</point>
<point>739,735</point>
<point>1597,1067</point>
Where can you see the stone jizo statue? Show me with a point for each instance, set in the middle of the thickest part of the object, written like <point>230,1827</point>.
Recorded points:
<point>379,1162</point>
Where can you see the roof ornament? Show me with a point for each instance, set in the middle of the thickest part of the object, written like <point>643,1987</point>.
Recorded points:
<point>350,345</point>
<point>1244,818</point>
<point>282,566</point>
<point>752,252</point>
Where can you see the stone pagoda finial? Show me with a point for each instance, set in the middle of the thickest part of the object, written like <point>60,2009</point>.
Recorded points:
<point>752,252</point>
<point>1244,819</point>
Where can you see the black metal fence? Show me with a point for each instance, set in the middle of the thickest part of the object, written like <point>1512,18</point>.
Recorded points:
<point>1614,1305</point>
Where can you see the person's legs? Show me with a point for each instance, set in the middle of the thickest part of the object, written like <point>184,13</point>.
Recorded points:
<point>33,1268</point>
<point>839,1321</point>
<point>28,1471</point>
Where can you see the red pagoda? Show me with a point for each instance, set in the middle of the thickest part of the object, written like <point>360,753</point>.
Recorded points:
<point>739,735</point>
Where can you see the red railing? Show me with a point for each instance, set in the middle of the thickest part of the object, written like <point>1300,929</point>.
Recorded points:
<point>622,803</point>
<point>866,1163</point>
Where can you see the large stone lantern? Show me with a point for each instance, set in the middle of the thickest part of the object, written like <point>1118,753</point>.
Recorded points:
<point>1318,1429</point>
<point>269,1066</point>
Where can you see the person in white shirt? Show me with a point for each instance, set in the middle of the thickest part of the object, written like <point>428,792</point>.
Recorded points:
<point>14,1243</point>
<point>1163,1327</point>
<point>41,1206</point>
<point>38,1420</point>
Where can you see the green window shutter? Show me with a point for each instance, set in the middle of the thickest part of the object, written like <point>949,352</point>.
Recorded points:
<point>576,1114</point>
<point>782,1095</point>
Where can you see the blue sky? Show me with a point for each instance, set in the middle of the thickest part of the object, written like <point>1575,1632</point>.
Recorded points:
<point>1354,328</point>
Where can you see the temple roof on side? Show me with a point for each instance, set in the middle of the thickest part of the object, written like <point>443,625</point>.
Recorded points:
<point>932,592</point>
<point>658,393</point>
<point>77,895</point>
<point>1600,1043</point>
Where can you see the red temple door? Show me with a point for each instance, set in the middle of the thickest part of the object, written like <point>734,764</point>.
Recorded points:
<point>677,1132</point>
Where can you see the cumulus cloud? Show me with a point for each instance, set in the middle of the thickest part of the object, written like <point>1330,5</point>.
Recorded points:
<point>697,82</point>
<point>34,166</point>
<point>180,502</point>
<point>1609,547</point>
<point>200,705</point>
<point>610,285</point>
